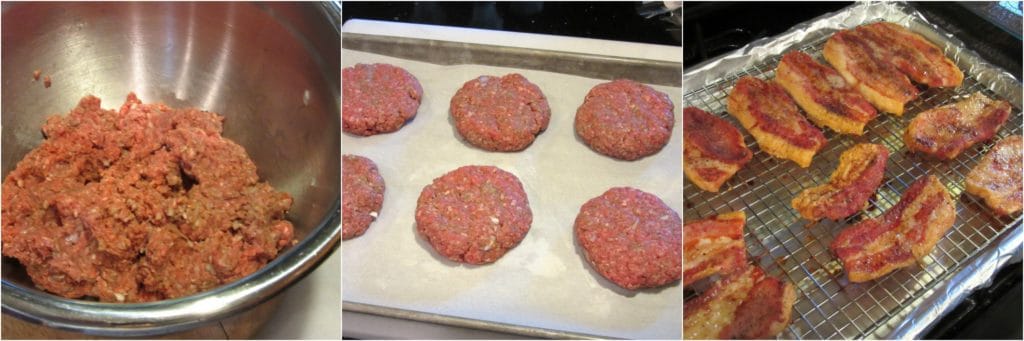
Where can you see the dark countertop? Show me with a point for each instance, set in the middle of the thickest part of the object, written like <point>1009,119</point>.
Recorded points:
<point>714,28</point>
<point>621,21</point>
<point>988,40</point>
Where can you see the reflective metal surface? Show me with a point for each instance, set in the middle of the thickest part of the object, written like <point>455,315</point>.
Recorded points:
<point>272,70</point>
<point>902,304</point>
<point>543,313</point>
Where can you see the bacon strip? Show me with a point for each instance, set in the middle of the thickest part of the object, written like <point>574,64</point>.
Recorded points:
<point>997,178</point>
<point>907,232</point>
<point>713,246</point>
<point>771,116</point>
<point>713,149</point>
<point>881,83</point>
<point>913,55</point>
<point>828,100</point>
<point>856,178</point>
<point>746,305</point>
<point>945,132</point>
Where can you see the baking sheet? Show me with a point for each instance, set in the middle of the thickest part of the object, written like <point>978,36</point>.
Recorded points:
<point>904,303</point>
<point>543,285</point>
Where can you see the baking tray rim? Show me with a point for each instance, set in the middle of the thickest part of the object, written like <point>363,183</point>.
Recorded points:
<point>350,41</point>
<point>472,323</point>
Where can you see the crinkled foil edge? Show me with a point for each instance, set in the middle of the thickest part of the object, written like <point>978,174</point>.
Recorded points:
<point>970,62</point>
<point>979,269</point>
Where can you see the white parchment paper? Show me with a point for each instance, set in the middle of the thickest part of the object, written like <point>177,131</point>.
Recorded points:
<point>544,282</point>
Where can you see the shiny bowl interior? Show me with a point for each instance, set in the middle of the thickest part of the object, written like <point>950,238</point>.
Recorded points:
<point>271,69</point>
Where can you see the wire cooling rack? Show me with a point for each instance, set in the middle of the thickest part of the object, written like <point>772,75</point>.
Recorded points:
<point>828,306</point>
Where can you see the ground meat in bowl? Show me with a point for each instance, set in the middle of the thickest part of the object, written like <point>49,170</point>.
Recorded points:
<point>141,204</point>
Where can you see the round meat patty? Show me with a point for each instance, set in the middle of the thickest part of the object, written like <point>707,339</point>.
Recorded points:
<point>631,238</point>
<point>362,195</point>
<point>474,214</point>
<point>503,114</point>
<point>625,119</point>
<point>378,98</point>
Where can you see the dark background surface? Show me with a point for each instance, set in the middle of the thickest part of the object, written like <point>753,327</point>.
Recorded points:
<point>715,28</point>
<point>621,21</point>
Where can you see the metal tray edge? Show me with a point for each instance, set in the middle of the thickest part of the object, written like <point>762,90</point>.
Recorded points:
<point>379,44</point>
<point>977,274</point>
<point>987,262</point>
<point>581,64</point>
<point>465,322</point>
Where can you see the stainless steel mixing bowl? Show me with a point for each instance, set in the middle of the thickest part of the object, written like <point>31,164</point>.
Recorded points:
<point>272,70</point>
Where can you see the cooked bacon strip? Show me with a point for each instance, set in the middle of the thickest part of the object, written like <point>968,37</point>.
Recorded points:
<point>997,178</point>
<point>856,178</point>
<point>713,149</point>
<point>770,115</point>
<point>946,131</point>
<point>913,55</point>
<point>828,100</point>
<point>745,305</point>
<point>852,54</point>
<point>907,232</point>
<point>713,246</point>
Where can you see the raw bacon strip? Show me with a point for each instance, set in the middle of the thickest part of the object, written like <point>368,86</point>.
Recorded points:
<point>997,178</point>
<point>713,149</point>
<point>713,246</point>
<point>907,232</point>
<point>946,131</point>
<point>746,305</point>
<point>853,56</point>
<point>828,100</point>
<point>858,175</point>
<point>913,55</point>
<point>764,109</point>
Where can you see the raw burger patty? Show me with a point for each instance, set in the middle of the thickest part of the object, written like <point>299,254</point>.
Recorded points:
<point>502,114</point>
<point>362,195</point>
<point>625,119</point>
<point>474,214</point>
<point>631,238</point>
<point>378,98</point>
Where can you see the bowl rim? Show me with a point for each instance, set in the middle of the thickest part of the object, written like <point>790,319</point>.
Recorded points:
<point>184,313</point>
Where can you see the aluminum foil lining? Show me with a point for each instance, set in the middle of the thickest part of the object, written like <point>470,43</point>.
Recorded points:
<point>999,81</point>
<point>970,273</point>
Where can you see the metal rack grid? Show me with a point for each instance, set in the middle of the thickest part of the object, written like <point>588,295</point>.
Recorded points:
<point>828,306</point>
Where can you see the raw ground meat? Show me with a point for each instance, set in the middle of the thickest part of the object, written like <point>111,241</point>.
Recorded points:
<point>502,114</point>
<point>141,204</point>
<point>631,238</point>
<point>378,98</point>
<point>362,195</point>
<point>474,214</point>
<point>625,119</point>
